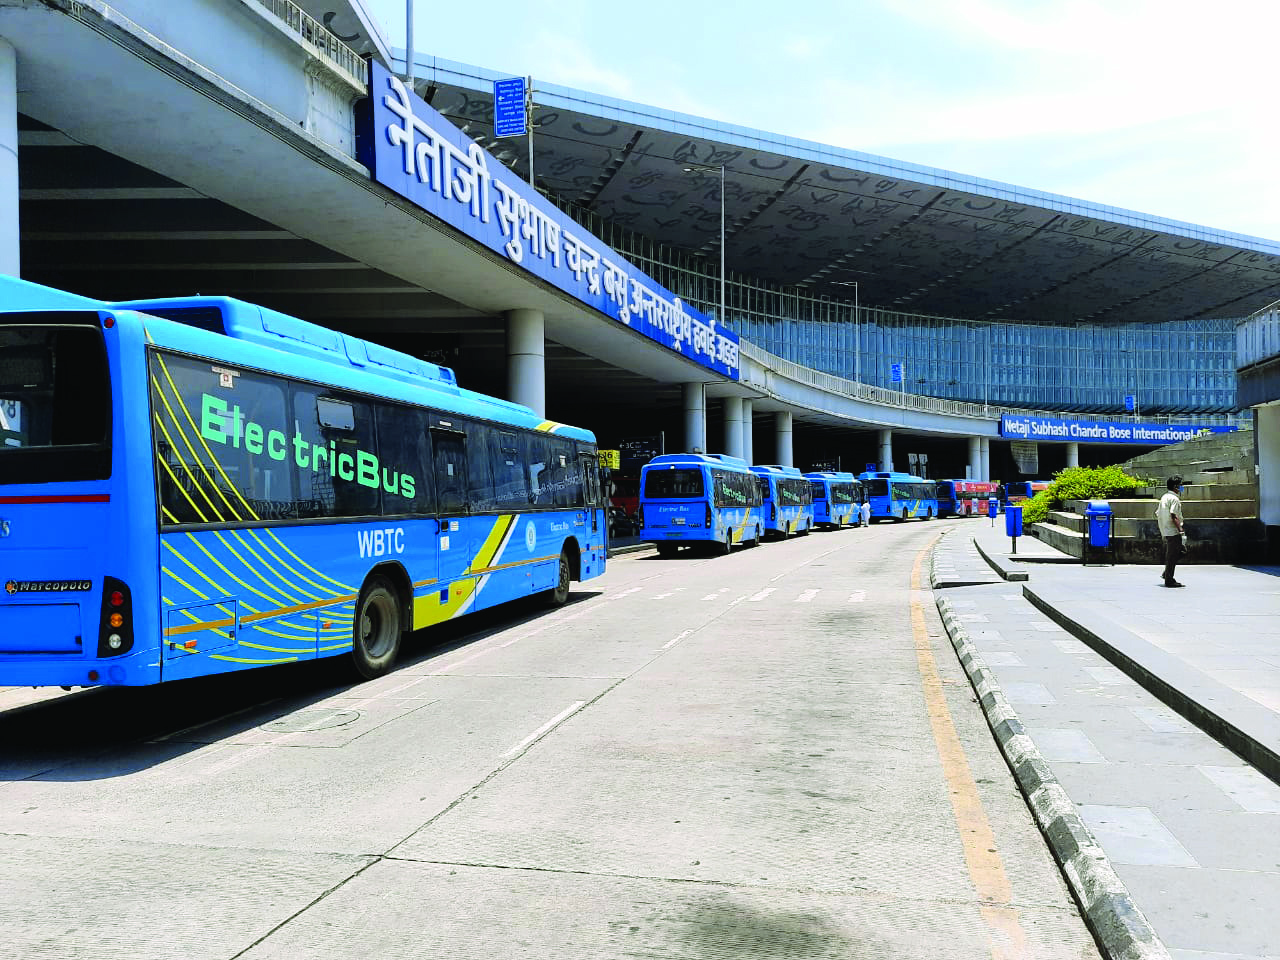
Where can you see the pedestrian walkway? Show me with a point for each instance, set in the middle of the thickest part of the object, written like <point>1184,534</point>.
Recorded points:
<point>1188,825</point>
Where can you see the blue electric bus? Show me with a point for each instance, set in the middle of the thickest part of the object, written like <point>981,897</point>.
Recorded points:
<point>200,485</point>
<point>899,496</point>
<point>788,501</point>
<point>699,499</point>
<point>836,498</point>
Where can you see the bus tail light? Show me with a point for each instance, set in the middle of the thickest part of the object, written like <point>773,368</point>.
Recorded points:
<point>640,514</point>
<point>710,519</point>
<point>773,511</point>
<point>115,624</point>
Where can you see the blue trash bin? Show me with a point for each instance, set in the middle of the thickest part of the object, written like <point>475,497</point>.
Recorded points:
<point>993,507</point>
<point>1013,521</point>
<point>1097,517</point>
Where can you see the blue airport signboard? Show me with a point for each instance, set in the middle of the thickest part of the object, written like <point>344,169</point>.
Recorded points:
<point>1018,427</point>
<point>509,110</point>
<point>417,153</point>
<point>1130,402</point>
<point>895,372</point>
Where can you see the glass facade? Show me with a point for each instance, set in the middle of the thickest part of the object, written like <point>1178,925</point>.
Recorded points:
<point>1178,367</point>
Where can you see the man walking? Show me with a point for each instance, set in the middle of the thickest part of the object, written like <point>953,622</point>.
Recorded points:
<point>1169,517</point>
<point>865,510</point>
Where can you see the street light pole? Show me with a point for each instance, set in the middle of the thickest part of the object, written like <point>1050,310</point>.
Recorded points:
<point>722,303</point>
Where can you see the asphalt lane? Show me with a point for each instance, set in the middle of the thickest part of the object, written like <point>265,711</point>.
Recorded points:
<point>770,754</point>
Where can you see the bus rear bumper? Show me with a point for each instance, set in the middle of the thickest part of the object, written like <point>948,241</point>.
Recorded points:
<point>126,671</point>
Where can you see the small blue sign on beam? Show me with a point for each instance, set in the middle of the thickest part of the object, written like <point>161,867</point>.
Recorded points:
<point>1129,401</point>
<point>510,110</point>
<point>895,372</point>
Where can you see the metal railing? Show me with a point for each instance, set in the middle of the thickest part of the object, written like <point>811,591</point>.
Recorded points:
<point>1258,337</point>
<point>324,44</point>
<point>952,408</point>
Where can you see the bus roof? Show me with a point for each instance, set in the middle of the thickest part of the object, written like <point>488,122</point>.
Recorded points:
<point>890,475</point>
<point>765,469</point>
<point>698,460</point>
<point>830,475</point>
<point>22,295</point>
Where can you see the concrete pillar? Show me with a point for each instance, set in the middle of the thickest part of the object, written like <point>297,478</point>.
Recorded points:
<point>975,458</point>
<point>782,428</point>
<point>886,449</point>
<point>9,249</point>
<point>1073,454</point>
<point>733,426</point>
<point>526,366</point>
<point>1266,425</point>
<point>748,446</point>
<point>985,471</point>
<point>695,418</point>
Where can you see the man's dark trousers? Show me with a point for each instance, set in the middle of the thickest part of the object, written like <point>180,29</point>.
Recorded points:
<point>1172,553</point>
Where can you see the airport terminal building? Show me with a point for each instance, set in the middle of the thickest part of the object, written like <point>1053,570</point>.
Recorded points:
<point>784,300</point>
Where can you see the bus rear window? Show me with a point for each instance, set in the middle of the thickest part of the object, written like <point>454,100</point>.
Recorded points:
<point>877,488</point>
<point>55,403</point>
<point>673,484</point>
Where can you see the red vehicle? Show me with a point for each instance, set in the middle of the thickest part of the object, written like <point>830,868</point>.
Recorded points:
<point>965,498</point>
<point>1021,490</point>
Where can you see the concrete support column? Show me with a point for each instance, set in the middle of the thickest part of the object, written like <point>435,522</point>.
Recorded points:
<point>9,250</point>
<point>782,429</point>
<point>733,426</point>
<point>1073,454</point>
<point>886,449</point>
<point>748,446</point>
<point>526,363</point>
<point>975,458</point>
<point>695,418</point>
<point>985,470</point>
<point>1266,426</point>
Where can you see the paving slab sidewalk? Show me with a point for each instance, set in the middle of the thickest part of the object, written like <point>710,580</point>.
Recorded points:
<point>1191,827</point>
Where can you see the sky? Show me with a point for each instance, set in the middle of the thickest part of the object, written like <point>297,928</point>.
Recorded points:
<point>1166,107</point>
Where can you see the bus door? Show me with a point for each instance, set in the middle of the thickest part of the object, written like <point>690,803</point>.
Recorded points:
<point>594,540</point>
<point>454,531</point>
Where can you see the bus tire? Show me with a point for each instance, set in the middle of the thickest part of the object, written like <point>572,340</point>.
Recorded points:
<point>558,595</point>
<point>756,541</point>
<point>667,550</point>
<point>805,530</point>
<point>376,629</point>
<point>904,515</point>
<point>929,514</point>
<point>726,548</point>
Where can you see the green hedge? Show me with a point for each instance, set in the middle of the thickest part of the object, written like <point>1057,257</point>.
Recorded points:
<point>1078,483</point>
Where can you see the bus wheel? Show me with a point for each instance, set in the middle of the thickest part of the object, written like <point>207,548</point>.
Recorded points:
<point>727,547</point>
<point>756,541</point>
<point>376,630</point>
<point>558,594</point>
<point>805,530</point>
<point>667,550</point>
<point>929,514</point>
<point>904,513</point>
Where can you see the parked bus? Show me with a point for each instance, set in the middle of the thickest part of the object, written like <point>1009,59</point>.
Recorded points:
<point>1019,490</point>
<point>836,498</point>
<point>693,499</point>
<point>787,501</point>
<point>200,485</point>
<point>899,496</point>
<point>965,498</point>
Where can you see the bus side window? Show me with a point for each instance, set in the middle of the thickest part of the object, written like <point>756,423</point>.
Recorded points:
<point>568,478</point>
<point>449,457</point>
<point>507,466</point>
<point>541,491</point>
<point>404,455</point>
<point>480,491</point>
<point>335,436</point>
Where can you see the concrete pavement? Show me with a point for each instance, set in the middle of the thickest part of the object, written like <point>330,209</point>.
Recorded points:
<point>1157,714</point>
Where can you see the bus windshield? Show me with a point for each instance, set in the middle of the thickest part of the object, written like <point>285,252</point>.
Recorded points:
<point>673,484</point>
<point>877,487</point>
<point>55,403</point>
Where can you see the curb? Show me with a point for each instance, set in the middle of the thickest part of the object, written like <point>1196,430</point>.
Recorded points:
<point>1214,716</point>
<point>1007,573</point>
<point>1119,927</point>
<point>628,548</point>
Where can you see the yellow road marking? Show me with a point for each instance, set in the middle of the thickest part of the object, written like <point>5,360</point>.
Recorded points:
<point>986,868</point>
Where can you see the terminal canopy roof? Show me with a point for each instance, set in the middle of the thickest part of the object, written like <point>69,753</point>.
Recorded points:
<point>912,238</point>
